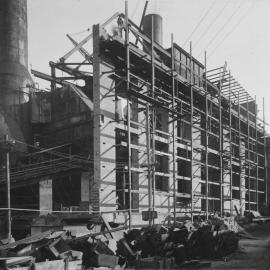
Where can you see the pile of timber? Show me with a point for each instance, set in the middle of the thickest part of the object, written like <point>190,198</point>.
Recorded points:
<point>48,250</point>
<point>156,247</point>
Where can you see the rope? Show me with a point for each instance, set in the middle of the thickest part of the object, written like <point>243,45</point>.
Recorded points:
<point>81,32</point>
<point>212,23</point>
<point>201,20</point>
<point>53,211</point>
<point>222,27</point>
<point>231,30</point>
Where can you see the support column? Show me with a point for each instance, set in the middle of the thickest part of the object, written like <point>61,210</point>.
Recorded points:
<point>103,186</point>
<point>242,177</point>
<point>230,142</point>
<point>248,135</point>
<point>256,141</point>
<point>221,141</point>
<point>241,162</point>
<point>207,126</point>
<point>128,118</point>
<point>85,190</point>
<point>174,132</point>
<point>191,126</point>
<point>153,116</point>
<point>45,197</point>
<point>265,160</point>
<point>95,186</point>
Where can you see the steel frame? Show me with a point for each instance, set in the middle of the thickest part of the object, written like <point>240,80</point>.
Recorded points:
<point>229,91</point>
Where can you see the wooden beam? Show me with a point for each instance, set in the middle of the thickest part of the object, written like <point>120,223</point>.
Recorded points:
<point>141,23</point>
<point>69,70</point>
<point>77,47</point>
<point>46,77</point>
<point>84,53</point>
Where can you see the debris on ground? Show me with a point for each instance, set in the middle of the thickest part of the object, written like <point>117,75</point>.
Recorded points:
<point>159,247</point>
<point>185,245</point>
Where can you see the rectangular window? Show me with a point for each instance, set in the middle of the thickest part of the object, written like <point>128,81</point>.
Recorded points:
<point>184,186</point>
<point>235,194</point>
<point>177,55</point>
<point>162,164</point>
<point>184,168</point>
<point>183,65</point>
<point>162,183</point>
<point>196,73</point>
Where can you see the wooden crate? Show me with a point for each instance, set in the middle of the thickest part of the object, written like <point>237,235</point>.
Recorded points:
<point>58,265</point>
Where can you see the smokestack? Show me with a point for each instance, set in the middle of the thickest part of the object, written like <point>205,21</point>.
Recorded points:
<point>157,27</point>
<point>14,75</point>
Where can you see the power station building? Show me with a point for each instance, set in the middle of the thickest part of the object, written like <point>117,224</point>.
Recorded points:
<point>132,131</point>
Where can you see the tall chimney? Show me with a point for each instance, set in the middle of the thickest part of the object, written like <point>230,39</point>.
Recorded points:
<point>157,27</point>
<point>14,75</point>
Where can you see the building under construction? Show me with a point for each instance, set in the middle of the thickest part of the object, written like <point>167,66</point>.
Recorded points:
<point>135,131</point>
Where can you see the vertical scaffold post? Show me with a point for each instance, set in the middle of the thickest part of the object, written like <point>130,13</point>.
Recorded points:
<point>7,169</point>
<point>230,141</point>
<point>124,188</point>
<point>239,152</point>
<point>141,23</point>
<point>220,147</point>
<point>173,126</point>
<point>247,108</point>
<point>53,75</point>
<point>153,113</point>
<point>265,158</point>
<point>256,143</point>
<point>191,127</point>
<point>206,137</point>
<point>128,116</point>
<point>148,143</point>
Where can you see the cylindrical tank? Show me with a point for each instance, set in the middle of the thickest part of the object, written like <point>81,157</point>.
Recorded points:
<point>157,27</point>
<point>14,76</point>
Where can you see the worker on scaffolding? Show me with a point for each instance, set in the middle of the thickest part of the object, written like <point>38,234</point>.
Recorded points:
<point>118,31</point>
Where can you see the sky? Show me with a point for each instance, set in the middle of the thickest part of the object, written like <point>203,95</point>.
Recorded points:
<point>236,31</point>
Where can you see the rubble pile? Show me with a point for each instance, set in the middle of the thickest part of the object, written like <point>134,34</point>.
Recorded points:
<point>50,247</point>
<point>181,244</point>
<point>157,246</point>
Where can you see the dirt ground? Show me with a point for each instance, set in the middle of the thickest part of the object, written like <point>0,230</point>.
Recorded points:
<point>253,253</point>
